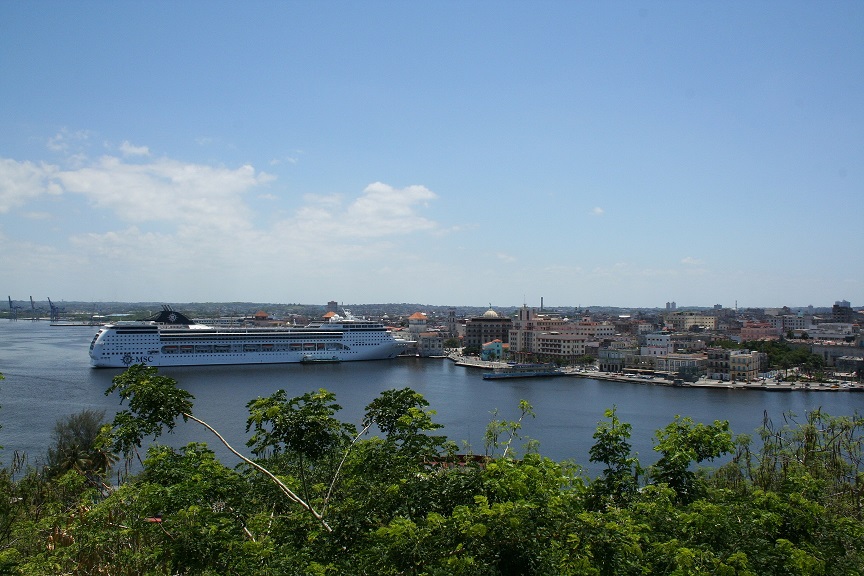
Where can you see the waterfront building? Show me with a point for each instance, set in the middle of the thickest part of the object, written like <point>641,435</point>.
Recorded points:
<point>537,336</point>
<point>689,365</point>
<point>718,363</point>
<point>430,344</point>
<point>417,323</point>
<point>657,344</point>
<point>495,350</point>
<point>736,365</point>
<point>523,329</point>
<point>486,328</point>
<point>613,359</point>
<point>745,366</point>
<point>564,346</point>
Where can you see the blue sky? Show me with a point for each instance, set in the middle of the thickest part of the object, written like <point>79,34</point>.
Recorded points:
<point>446,153</point>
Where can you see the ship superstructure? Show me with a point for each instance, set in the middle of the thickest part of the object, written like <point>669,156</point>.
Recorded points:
<point>170,338</point>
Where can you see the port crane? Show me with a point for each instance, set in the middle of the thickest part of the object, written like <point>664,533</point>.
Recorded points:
<point>13,310</point>
<point>55,311</point>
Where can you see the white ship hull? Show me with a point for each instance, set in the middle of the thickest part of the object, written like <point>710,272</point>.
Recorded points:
<point>153,344</point>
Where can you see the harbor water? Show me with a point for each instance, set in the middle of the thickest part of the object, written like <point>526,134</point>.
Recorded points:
<point>48,376</point>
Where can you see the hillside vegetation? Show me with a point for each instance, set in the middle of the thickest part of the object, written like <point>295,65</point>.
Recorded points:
<point>318,496</point>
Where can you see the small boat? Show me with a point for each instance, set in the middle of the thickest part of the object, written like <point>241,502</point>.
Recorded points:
<point>524,371</point>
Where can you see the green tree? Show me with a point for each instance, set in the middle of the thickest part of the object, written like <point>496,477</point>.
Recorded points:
<point>403,418</point>
<point>1,425</point>
<point>498,429</point>
<point>76,447</point>
<point>155,402</point>
<point>304,429</point>
<point>682,444</point>
<point>791,507</point>
<point>620,479</point>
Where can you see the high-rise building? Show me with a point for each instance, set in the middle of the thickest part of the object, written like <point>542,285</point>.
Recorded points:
<point>842,311</point>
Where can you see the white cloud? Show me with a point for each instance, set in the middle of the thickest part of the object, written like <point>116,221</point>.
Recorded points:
<point>128,149</point>
<point>597,211</point>
<point>284,159</point>
<point>380,211</point>
<point>690,261</point>
<point>21,182</point>
<point>64,140</point>
<point>193,225</point>
<point>384,210</point>
<point>167,190</point>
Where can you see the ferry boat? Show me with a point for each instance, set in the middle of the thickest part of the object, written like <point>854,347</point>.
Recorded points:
<point>170,338</point>
<point>523,371</point>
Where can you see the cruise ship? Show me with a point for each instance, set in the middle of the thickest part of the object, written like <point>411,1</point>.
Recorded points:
<point>170,338</point>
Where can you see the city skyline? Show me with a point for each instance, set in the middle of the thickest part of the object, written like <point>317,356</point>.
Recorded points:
<point>596,154</point>
<point>24,308</point>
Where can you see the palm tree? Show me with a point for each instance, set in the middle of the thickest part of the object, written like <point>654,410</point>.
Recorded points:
<point>75,447</point>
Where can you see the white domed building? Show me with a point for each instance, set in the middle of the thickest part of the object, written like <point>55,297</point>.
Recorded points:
<point>486,328</point>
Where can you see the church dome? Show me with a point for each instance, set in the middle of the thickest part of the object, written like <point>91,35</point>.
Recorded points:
<point>490,314</point>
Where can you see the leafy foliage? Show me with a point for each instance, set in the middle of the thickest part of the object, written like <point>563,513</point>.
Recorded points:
<point>400,503</point>
<point>155,403</point>
<point>683,443</point>
<point>620,479</point>
<point>402,417</point>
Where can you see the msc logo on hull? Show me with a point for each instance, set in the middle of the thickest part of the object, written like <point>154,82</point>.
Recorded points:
<point>128,359</point>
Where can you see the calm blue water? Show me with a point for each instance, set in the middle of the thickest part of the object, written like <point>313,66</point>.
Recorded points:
<point>48,377</point>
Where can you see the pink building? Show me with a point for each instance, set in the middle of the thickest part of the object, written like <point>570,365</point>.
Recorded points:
<point>759,331</point>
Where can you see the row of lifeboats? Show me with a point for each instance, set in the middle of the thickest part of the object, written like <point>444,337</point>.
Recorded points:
<point>225,348</point>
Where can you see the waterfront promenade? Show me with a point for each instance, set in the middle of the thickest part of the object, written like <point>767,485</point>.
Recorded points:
<point>769,384</point>
<point>765,385</point>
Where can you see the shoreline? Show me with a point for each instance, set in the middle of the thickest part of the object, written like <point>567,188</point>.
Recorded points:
<point>768,385</point>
